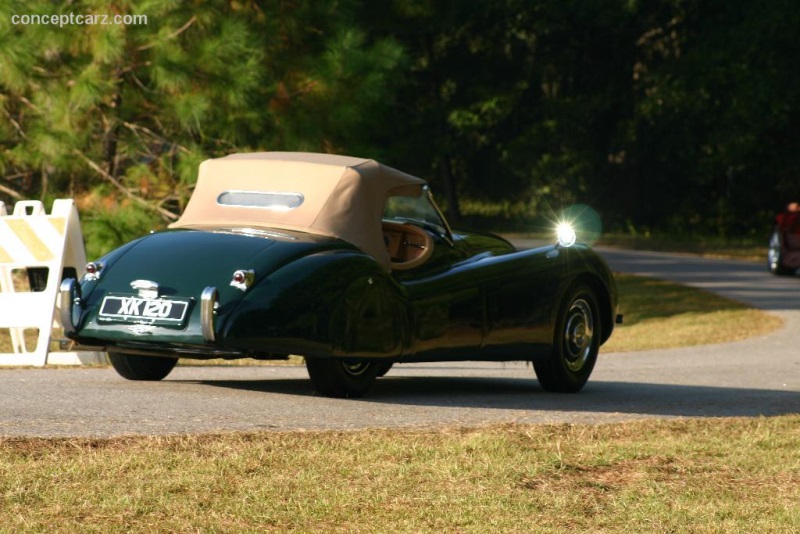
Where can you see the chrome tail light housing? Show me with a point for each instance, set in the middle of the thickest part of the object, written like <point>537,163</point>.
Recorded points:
<point>243,279</point>
<point>93,270</point>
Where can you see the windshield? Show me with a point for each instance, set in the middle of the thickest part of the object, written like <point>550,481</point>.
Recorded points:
<point>421,210</point>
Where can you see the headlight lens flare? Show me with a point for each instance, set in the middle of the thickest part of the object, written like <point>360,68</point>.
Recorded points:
<point>565,234</point>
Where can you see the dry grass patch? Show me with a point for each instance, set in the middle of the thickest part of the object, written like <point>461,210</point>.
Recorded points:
<point>696,475</point>
<point>661,314</point>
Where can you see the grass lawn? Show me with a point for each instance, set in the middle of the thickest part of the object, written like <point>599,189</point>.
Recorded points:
<point>661,314</point>
<point>724,475</point>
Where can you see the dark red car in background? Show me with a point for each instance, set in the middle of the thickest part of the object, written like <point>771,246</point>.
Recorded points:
<point>783,256</point>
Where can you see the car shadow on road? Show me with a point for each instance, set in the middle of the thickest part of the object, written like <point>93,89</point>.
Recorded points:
<point>520,394</point>
<point>596,397</point>
<point>282,386</point>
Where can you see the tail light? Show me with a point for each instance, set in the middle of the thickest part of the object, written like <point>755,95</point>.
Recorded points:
<point>93,270</point>
<point>243,279</point>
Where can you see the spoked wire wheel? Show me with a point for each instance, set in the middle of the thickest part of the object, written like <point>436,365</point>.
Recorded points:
<point>576,342</point>
<point>578,335</point>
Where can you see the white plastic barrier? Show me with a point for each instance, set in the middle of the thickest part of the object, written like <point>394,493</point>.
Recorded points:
<point>31,240</point>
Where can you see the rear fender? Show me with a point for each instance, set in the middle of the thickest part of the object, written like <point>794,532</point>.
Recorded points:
<point>329,303</point>
<point>88,284</point>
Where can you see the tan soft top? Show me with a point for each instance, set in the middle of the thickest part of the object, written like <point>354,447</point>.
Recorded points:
<point>343,197</point>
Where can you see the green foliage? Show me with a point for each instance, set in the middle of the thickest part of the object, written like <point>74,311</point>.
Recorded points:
<point>130,111</point>
<point>661,314</point>
<point>105,228</point>
<point>670,114</point>
<point>509,98</point>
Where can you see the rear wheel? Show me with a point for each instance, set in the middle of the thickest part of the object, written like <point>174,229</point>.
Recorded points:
<point>576,343</point>
<point>775,255</point>
<point>135,367</point>
<point>341,378</point>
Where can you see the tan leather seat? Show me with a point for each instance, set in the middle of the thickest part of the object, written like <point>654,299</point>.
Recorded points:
<point>408,245</point>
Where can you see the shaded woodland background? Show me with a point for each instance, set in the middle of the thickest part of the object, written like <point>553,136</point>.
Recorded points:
<point>678,116</point>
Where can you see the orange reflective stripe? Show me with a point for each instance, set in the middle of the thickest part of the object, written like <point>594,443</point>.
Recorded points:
<point>5,257</point>
<point>59,223</point>
<point>35,246</point>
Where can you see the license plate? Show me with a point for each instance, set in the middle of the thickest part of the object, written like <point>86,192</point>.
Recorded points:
<point>139,310</point>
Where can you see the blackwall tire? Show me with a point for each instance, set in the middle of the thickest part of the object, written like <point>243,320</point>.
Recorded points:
<point>576,343</point>
<point>135,367</point>
<point>341,378</point>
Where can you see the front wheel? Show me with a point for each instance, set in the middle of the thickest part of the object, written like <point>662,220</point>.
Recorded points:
<point>341,378</point>
<point>775,255</point>
<point>576,342</point>
<point>135,367</point>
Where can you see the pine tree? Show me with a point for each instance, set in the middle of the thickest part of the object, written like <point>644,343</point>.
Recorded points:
<point>120,116</point>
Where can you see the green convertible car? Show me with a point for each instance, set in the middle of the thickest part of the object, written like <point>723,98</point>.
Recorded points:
<point>346,262</point>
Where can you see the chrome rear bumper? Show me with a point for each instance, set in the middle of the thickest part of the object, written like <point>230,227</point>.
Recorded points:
<point>209,302</point>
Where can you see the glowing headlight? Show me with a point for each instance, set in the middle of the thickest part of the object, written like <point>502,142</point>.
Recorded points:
<point>565,234</point>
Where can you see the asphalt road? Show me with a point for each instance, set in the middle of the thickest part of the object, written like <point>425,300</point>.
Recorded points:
<point>755,377</point>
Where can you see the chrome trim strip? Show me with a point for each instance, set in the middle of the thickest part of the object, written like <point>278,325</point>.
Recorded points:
<point>208,304</point>
<point>69,296</point>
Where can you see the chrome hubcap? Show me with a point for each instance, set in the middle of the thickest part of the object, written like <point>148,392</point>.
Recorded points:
<point>578,334</point>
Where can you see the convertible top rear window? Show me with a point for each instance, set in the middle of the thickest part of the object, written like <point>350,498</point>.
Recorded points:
<point>277,201</point>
